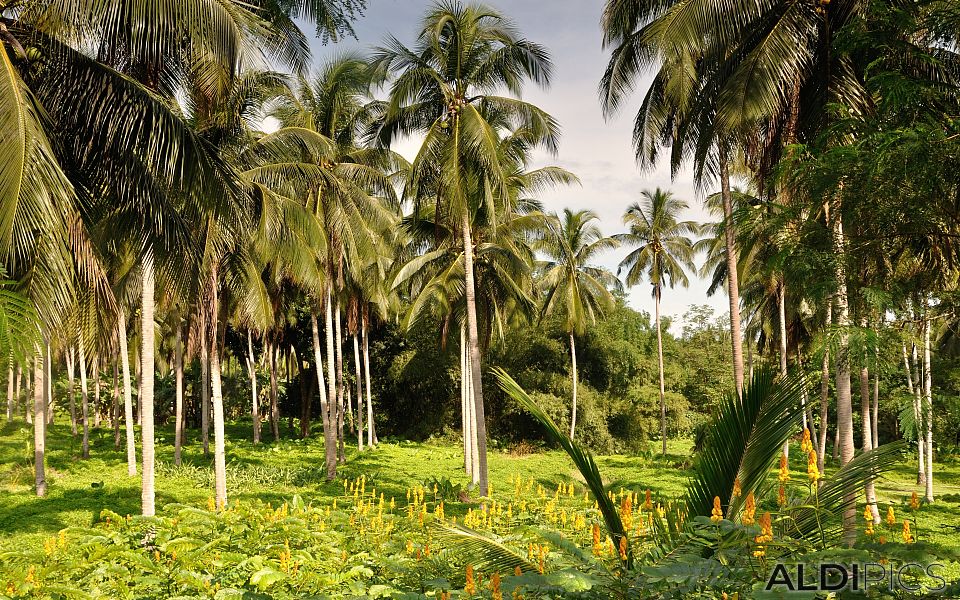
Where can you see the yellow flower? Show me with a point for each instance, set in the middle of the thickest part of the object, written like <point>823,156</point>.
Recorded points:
<point>914,501</point>
<point>868,517</point>
<point>647,502</point>
<point>813,473</point>
<point>471,585</point>
<point>784,475</point>
<point>766,529</point>
<point>782,496</point>
<point>495,592</point>
<point>891,518</point>
<point>716,515</point>
<point>749,510</point>
<point>907,535</point>
<point>805,444</point>
<point>737,490</point>
<point>623,548</point>
<point>597,545</point>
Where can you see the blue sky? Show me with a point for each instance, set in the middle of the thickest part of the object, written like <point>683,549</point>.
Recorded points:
<point>598,151</point>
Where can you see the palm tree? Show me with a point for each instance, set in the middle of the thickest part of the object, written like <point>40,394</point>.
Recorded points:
<point>443,89</point>
<point>663,254</point>
<point>573,287</point>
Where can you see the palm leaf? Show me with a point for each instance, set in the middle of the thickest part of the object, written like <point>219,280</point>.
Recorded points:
<point>483,552</point>
<point>581,457</point>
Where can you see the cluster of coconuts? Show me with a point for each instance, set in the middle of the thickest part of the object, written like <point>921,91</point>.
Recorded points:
<point>452,109</point>
<point>822,7</point>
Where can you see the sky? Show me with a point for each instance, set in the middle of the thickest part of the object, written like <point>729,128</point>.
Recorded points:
<point>597,150</point>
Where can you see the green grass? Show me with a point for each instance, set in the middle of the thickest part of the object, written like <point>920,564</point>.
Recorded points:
<point>272,472</point>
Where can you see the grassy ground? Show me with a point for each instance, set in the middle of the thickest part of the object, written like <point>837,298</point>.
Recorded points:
<point>80,489</point>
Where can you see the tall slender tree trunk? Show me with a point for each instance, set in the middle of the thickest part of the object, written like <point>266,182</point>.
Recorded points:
<point>869,491</point>
<point>17,387</point>
<point>844,400</point>
<point>824,393</point>
<point>341,451</point>
<point>465,401</point>
<point>875,413</point>
<point>573,373</point>
<point>48,382</point>
<point>205,344</point>
<point>329,432</point>
<point>474,439</point>
<point>115,402</point>
<point>39,427</point>
<point>371,426</point>
<point>919,416</point>
<point>72,401</point>
<point>10,407</point>
<point>733,285</point>
<point>473,339</point>
<point>254,398</point>
<point>84,401</point>
<point>663,403</point>
<point>147,495</point>
<point>356,362</point>
<point>274,402</point>
<point>216,395</point>
<point>928,408</point>
<point>96,390</point>
<point>127,395</point>
<point>178,375</point>
<point>324,394</point>
<point>28,413</point>
<point>782,338</point>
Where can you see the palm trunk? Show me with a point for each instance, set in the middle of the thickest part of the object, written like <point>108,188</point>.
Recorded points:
<point>918,416</point>
<point>146,378</point>
<point>921,470</point>
<point>869,490</point>
<point>254,398</point>
<point>115,402</point>
<point>371,427</point>
<point>329,433</point>
<point>10,408</point>
<point>48,383</point>
<point>127,395</point>
<point>844,400</point>
<point>84,402</point>
<point>928,401</point>
<point>874,414</point>
<point>205,344</point>
<point>824,394</point>
<point>733,288</point>
<point>356,362</point>
<point>782,323</point>
<point>341,451</point>
<point>70,358</point>
<point>324,392</point>
<point>178,375</point>
<point>28,414</point>
<point>474,439</point>
<point>274,406</point>
<point>216,394</point>
<point>473,338</point>
<point>465,404</point>
<point>17,387</point>
<point>96,390</point>
<point>39,427</point>
<point>573,372</point>
<point>663,404</point>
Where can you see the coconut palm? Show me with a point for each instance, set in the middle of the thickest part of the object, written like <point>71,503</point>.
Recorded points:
<point>663,254</point>
<point>573,287</point>
<point>443,88</point>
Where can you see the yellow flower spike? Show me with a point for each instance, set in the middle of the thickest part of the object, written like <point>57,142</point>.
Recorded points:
<point>813,473</point>
<point>647,502</point>
<point>805,444</point>
<point>736,488</point>
<point>868,517</point>
<point>749,510</point>
<point>891,518</point>
<point>597,546</point>
<point>471,587</point>
<point>784,475</point>
<point>781,496</point>
<point>907,535</point>
<point>716,515</point>
<point>914,501</point>
<point>623,548</point>
<point>495,593</point>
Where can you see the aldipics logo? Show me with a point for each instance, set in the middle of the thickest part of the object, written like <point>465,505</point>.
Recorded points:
<point>857,577</point>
